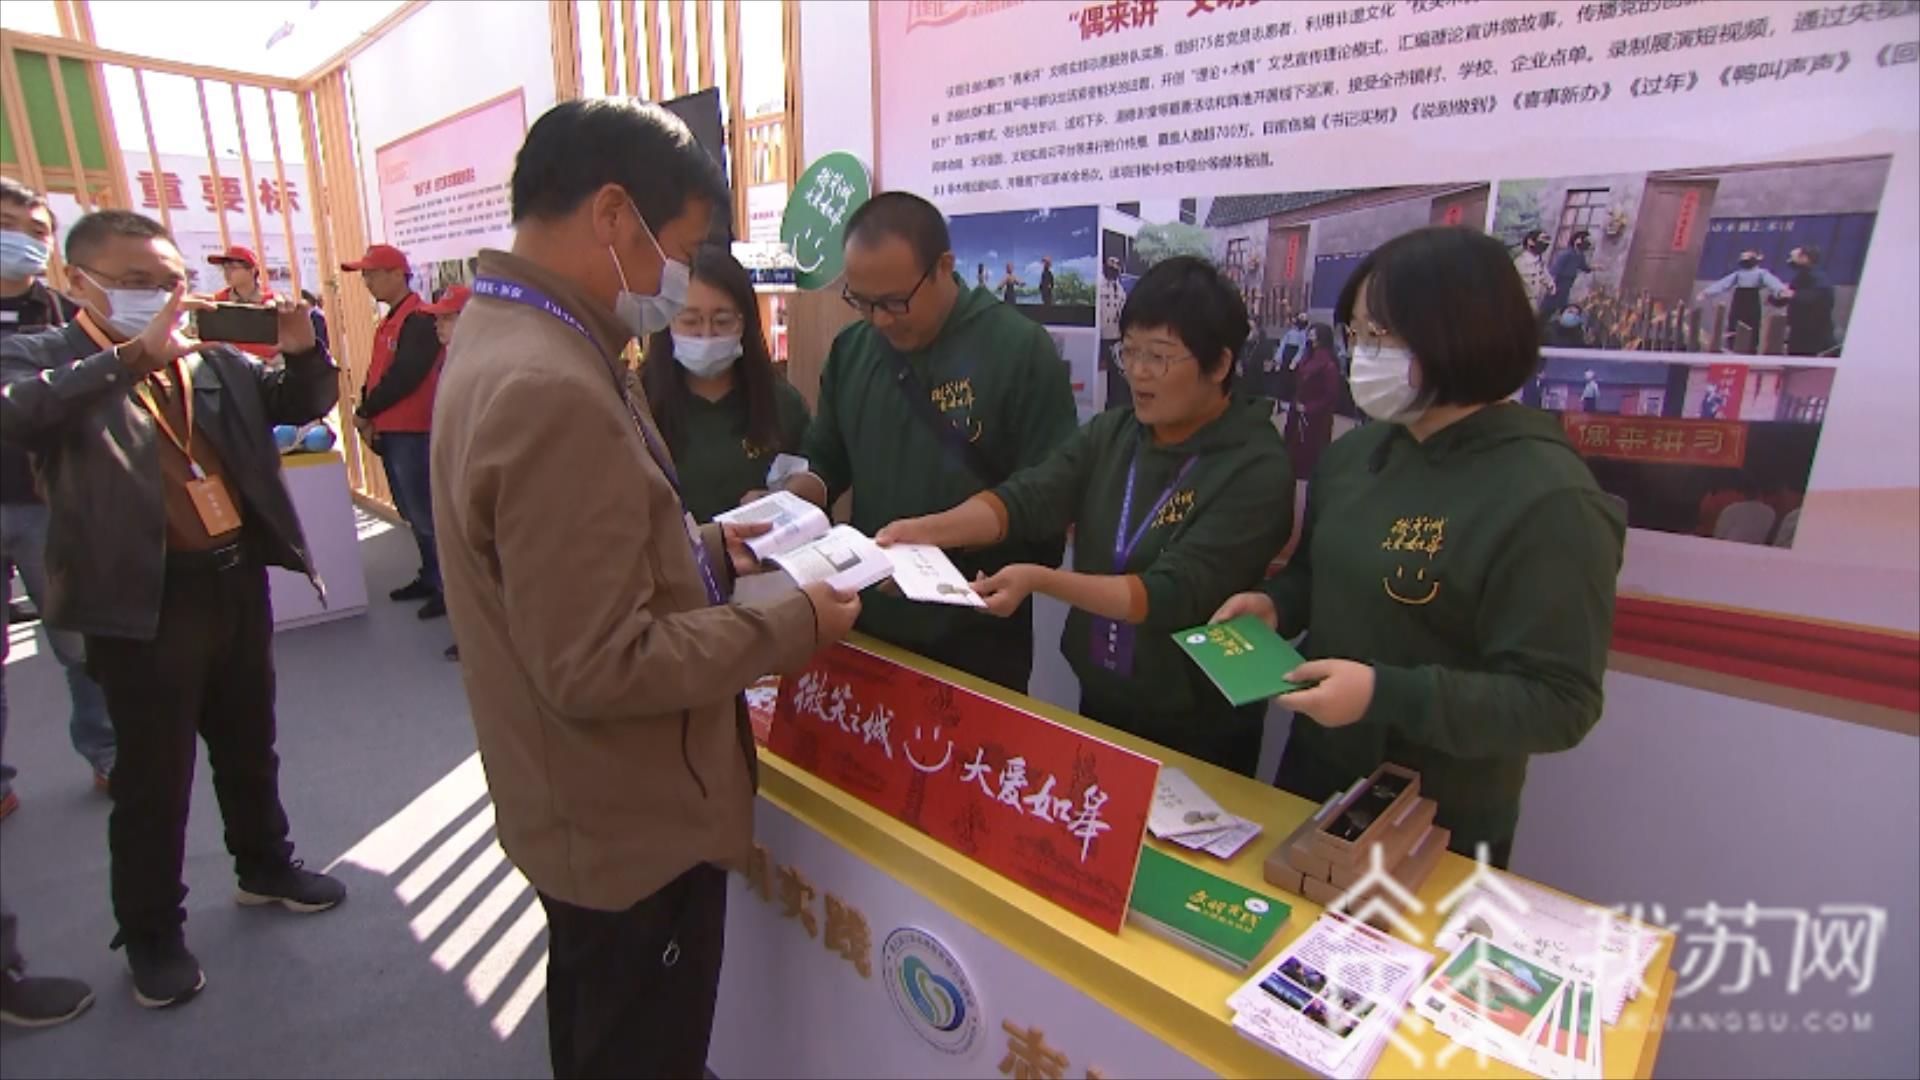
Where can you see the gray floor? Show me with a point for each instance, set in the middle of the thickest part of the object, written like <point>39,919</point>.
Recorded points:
<point>379,778</point>
<point>370,717</point>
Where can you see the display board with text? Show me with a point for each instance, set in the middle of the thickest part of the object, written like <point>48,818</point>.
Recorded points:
<point>443,190</point>
<point>1713,207</point>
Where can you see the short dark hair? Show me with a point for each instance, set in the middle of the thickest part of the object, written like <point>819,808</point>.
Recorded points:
<point>1583,234</point>
<point>578,147</point>
<point>907,216</point>
<point>1453,295</point>
<point>1812,252</point>
<point>95,229</point>
<point>1187,295</point>
<point>15,193</point>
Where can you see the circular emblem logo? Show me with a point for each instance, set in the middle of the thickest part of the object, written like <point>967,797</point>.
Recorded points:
<point>1256,905</point>
<point>1196,639</point>
<point>931,991</point>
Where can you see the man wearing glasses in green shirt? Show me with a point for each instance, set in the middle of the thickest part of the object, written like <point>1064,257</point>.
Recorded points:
<point>939,392</point>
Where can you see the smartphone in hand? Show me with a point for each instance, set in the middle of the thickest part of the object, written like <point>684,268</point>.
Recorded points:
<point>253,324</point>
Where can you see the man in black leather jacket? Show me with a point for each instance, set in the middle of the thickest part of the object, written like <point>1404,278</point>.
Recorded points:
<point>158,464</point>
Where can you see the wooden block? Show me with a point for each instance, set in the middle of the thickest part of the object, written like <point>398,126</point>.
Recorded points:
<point>1321,892</point>
<point>1300,858</point>
<point>1280,875</point>
<point>1414,870</point>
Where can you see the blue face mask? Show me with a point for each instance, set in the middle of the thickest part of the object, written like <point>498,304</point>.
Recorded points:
<point>1570,319</point>
<point>22,256</point>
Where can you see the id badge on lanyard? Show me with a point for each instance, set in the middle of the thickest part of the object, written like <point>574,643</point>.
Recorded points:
<point>1112,640</point>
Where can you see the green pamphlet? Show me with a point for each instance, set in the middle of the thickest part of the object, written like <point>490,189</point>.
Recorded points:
<point>1245,659</point>
<point>1210,915</point>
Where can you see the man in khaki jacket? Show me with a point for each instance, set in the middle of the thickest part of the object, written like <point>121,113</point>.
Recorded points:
<point>603,666</point>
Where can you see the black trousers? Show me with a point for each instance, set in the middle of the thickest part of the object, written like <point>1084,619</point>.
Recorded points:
<point>208,671</point>
<point>631,993</point>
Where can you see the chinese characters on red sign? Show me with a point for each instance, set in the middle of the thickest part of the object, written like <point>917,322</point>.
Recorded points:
<point>1055,810</point>
<point>1667,442</point>
<point>1684,218</point>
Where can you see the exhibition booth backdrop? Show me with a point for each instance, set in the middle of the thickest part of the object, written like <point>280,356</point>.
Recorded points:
<point>1766,640</point>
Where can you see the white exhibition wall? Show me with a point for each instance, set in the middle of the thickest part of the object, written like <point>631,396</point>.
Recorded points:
<point>445,59</point>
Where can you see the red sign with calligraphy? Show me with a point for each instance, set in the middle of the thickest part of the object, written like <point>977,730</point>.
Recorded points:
<point>1667,442</point>
<point>1057,811</point>
<point>1293,257</point>
<point>1684,218</point>
<point>1729,386</point>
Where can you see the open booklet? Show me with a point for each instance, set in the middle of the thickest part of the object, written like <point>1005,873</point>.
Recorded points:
<point>809,549</point>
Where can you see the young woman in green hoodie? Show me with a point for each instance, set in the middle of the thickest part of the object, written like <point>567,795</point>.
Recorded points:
<point>1177,501</point>
<point>1456,567</point>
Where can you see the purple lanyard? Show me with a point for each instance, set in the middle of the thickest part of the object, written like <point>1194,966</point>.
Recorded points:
<point>1123,548</point>
<point>514,292</point>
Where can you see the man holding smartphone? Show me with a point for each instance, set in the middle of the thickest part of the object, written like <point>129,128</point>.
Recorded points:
<point>395,415</point>
<point>167,507</point>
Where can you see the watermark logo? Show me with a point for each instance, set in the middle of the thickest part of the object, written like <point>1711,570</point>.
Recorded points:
<point>931,991</point>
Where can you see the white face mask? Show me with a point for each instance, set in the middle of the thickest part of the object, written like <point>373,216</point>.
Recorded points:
<point>130,310</point>
<point>646,315</point>
<point>22,256</point>
<point>1382,383</point>
<point>706,357</point>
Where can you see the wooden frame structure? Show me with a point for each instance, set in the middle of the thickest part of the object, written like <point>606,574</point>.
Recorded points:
<point>645,51</point>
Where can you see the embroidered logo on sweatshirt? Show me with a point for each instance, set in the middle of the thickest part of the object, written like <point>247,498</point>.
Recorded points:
<point>1414,535</point>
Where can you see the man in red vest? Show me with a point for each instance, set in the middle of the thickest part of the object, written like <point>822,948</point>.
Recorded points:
<point>396,408</point>
<point>242,270</point>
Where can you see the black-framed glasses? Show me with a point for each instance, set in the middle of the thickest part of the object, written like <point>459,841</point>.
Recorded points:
<point>895,306</point>
<point>170,283</point>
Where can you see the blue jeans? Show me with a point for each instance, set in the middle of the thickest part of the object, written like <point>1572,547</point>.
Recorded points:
<point>23,547</point>
<point>405,456</point>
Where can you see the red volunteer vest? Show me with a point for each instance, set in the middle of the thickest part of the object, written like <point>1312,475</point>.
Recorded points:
<point>413,413</point>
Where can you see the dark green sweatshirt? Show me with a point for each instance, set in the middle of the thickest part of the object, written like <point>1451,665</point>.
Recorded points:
<point>1475,572</point>
<point>991,369</point>
<point>717,462</point>
<point>1224,524</point>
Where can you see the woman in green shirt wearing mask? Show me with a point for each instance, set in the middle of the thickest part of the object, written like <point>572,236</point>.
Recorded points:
<point>716,398</point>
<point>1456,568</point>
<point>1176,502</point>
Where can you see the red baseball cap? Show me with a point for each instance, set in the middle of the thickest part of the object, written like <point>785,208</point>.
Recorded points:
<point>379,257</point>
<point>450,302</point>
<point>235,254</point>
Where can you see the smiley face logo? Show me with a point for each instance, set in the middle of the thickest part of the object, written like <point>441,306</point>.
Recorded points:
<point>1414,591</point>
<point>1422,536</point>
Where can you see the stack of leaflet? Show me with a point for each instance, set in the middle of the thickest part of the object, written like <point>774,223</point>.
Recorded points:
<point>1185,815</point>
<point>1331,1000</point>
<point>1497,1003</point>
<point>1588,943</point>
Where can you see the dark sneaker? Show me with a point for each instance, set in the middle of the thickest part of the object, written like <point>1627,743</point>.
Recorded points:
<point>293,887</point>
<point>452,653</point>
<point>412,590</point>
<point>164,972</point>
<point>433,609</point>
<point>37,1002</point>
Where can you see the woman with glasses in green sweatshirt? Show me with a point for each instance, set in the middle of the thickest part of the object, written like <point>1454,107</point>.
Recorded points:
<point>1177,502</point>
<point>1455,572</point>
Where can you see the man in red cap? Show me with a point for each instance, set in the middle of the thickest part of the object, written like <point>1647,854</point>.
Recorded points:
<point>242,270</point>
<point>446,314</point>
<point>396,408</point>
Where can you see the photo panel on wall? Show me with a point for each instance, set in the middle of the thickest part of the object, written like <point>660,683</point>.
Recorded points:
<point>1759,260</point>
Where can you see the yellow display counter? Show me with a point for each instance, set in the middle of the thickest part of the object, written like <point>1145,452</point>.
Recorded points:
<point>810,985</point>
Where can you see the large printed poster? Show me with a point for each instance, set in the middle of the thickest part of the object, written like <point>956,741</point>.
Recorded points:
<point>1713,206</point>
<point>443,190</point>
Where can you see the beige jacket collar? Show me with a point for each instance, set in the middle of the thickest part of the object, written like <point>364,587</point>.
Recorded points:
<point>609,332</point>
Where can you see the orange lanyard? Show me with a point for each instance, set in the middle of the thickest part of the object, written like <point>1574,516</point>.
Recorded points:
<point>144,393</point>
